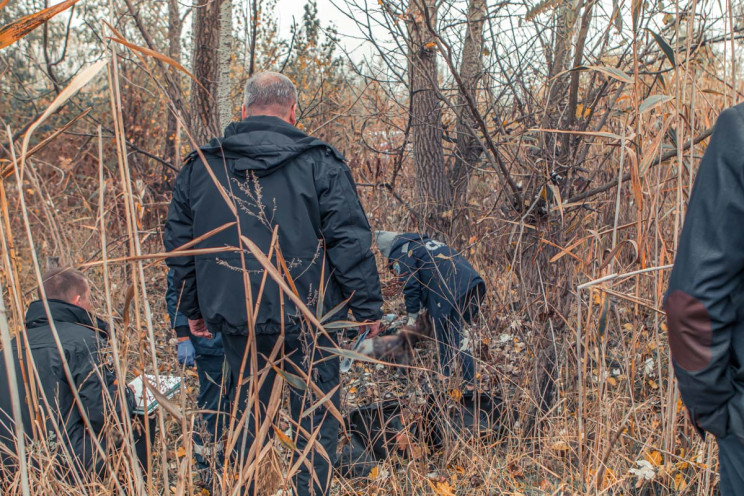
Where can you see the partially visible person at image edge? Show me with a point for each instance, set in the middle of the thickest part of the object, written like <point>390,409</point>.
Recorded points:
<point>705,300</point>
<point>278,177</point>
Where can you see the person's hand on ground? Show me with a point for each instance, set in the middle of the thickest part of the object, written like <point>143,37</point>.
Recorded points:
<point>373,328</point>
<point>199,329</point>
<point>186,352</point>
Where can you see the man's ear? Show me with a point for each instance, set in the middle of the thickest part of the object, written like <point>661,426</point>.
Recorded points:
<point>292,115</point>
<point>76,300</point>
<point>243,111</point>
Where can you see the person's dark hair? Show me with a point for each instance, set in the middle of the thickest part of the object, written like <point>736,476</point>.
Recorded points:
<point>269,89</point>
<point>64,283</point>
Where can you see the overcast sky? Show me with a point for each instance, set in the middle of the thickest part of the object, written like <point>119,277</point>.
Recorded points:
<point>327,13</point>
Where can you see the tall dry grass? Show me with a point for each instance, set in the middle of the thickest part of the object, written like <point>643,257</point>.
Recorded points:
<point>616,424</point>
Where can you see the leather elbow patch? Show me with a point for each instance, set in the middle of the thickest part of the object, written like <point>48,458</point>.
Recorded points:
<point>690,331</point>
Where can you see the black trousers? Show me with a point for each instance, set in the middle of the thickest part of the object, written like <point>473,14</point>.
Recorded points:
<point>323,369</point>
<point>731,465</point>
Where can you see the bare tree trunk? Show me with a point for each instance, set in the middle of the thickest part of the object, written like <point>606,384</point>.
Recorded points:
<point>205,119</point>
<point>171,150</point>
<point>433,186</point>
<point>573,91</point>
<point>254,34</point>
<point>224,104</point>
<point>468,148</point>
<point>561,52</point>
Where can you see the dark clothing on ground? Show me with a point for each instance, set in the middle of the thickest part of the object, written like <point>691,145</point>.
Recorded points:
<point>325,376</point>
<point>442,281</point>
<point>214,386</point>
<point>705,299</point>
<point>86,352</point>
<point>275,176</point>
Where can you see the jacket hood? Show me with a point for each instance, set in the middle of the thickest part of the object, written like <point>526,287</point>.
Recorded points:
<point>404,238</point>
<point>263,144</point>
<point>385,240</point>
<point>61,312</point>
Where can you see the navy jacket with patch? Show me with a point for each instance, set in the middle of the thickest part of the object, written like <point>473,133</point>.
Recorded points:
<point>435,276</point>
<point>705,300</point>
<point>275,177</point>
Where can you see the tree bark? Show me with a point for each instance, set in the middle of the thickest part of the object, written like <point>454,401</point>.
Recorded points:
<point>204,118</point>
<point>225,106</point>
<point>561,52</point>
<point>171,150</point>
<point>467,148</point>
<point>573,92</point>
<point>433,186</point>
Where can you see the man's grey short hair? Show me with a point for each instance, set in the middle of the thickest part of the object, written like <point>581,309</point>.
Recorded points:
<point>269,89</point>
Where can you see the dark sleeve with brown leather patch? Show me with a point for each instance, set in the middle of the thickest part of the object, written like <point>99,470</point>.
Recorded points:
<point>707,280</point>
<point>690,332</point>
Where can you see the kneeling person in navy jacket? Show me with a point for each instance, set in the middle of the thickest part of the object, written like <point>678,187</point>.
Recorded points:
<point>439,279</point>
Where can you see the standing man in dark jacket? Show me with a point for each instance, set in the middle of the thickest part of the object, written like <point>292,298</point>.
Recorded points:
<point>705,300</point>
<point>274,176</point>
<point>84,342</point>
<point>439,279</point>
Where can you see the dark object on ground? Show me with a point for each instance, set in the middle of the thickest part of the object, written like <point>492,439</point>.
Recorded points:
<point>372,431</point>
<point>375,431</point>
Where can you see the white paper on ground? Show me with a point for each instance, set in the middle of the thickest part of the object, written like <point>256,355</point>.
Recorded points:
<point>168,386</point>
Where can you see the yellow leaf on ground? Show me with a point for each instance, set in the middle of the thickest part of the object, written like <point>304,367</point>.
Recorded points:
<point>181,452</point>
<point>373,473</point>
<point>655,458</point>
<point>455,394</point>
<point>442,488</point>
<point>680,484</point>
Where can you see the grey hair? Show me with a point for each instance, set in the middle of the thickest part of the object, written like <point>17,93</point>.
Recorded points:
<point>268,89</point>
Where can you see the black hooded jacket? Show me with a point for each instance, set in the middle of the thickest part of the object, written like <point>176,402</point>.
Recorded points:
<point>274,176</point>
<point>705,300</point>
<point>84,348</point>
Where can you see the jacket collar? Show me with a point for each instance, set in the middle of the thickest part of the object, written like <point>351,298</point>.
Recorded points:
<point>61,311</point>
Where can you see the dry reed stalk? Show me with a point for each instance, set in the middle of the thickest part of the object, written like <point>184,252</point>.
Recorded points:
<point>5,339</point>
<point>114,339</point>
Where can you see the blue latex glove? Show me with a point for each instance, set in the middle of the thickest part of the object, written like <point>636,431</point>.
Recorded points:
<point>186,353</point>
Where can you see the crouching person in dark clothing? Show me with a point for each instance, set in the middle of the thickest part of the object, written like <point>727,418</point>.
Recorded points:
<point>705,300</point>
<point>214,386</point>
<point>273,178</point>
<point>439,279</point>
<point>52,418</point>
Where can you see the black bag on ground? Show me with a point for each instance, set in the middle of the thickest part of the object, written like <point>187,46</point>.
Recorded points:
<point>372,431</point>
